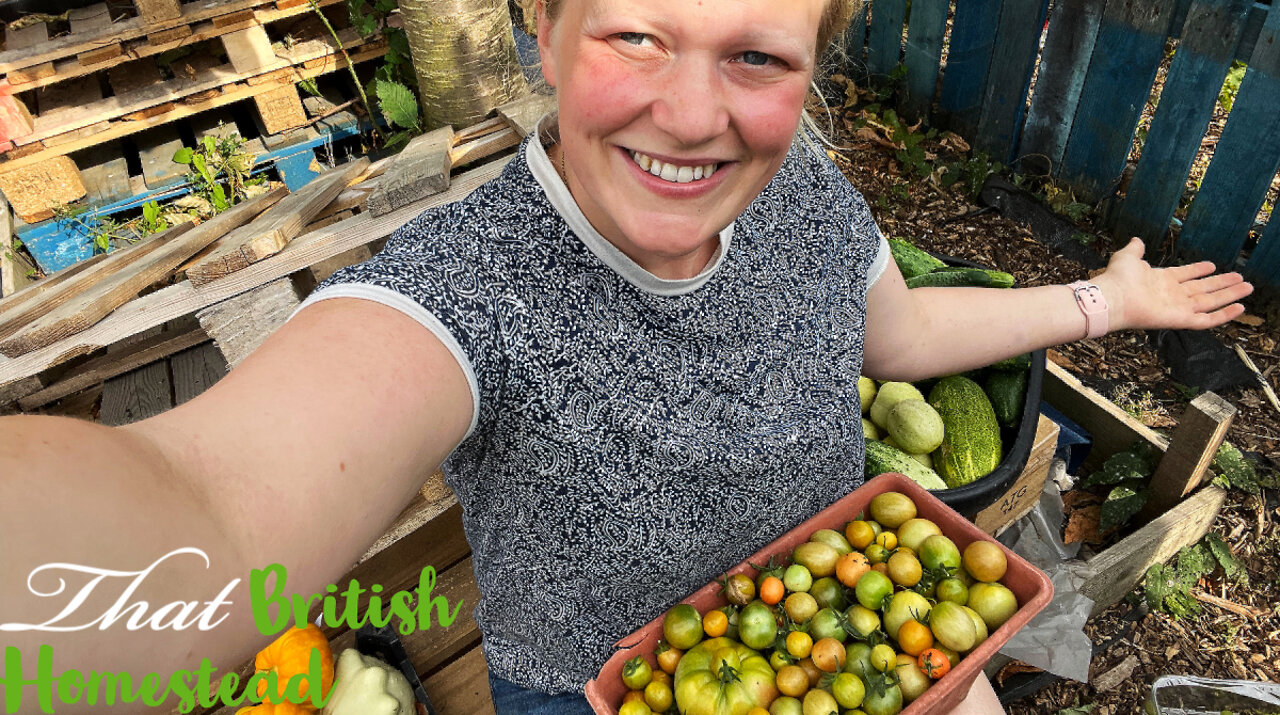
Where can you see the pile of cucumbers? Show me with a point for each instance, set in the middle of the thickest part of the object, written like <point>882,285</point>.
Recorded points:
<point>952,437</point>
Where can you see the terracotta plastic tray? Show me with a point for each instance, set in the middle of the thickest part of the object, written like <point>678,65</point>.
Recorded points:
<point>1028,583</point>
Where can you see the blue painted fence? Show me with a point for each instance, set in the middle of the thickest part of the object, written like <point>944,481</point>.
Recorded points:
<point>1097,65</point>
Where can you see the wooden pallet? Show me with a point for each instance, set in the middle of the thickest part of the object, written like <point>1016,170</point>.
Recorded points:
<point>31,38</point>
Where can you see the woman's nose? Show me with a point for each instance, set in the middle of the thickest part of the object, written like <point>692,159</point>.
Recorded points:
<point>691,105</point>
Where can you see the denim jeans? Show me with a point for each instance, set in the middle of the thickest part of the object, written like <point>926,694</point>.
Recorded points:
<point>511,699</point>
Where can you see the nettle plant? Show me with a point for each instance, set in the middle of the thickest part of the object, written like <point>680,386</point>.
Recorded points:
<point>220,170</point>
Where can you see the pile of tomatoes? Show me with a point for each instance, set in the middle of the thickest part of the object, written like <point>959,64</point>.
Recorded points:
<point>860,622</point>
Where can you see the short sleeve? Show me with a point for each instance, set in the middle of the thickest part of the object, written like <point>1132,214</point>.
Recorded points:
<point>441,280</point>
<point>879,263</point>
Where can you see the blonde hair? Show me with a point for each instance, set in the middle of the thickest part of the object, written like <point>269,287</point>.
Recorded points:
<point>834,19</point>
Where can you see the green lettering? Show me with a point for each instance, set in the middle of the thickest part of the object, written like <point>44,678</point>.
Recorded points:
<point>204,685</point>
<point>261,603</point>
<point>270,677</point>
<point>227,689</point>
<point>150,691</point>
<point>313,679</point>
<point>402,608</point>
<point>427,582</point>
<point>301,608</point>
<point>111,687</point>
<point>69,685</point>
<point>374,613</point>
<point>180,686</point>
<point>14,683</point>
<point>351,606</point>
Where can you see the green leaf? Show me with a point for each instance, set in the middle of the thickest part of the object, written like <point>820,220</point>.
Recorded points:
<point>151,211</point>
<point>398,104</point>
<point>219,198</point>
<point>309,86</point>
<point>399,138</point>
<point>1121,504</point>
<point>183,155</point>
<point>210,144</point>
<point>1235,469</point>
<point>17,243</point>
<point>1231,566</point>
<point>385,6</point>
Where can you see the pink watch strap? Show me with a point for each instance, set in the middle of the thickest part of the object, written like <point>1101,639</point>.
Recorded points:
<point>1094,306</point>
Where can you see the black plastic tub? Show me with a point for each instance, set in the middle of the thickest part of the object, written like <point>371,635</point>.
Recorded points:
<point>385,644</point>
<point>982,493</point>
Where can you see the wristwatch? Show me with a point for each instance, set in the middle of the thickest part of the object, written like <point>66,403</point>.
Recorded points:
<point>1094,306</point>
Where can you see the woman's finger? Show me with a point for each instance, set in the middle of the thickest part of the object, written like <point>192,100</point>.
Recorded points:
<point>1191,271</point>
<point>1215,282</point>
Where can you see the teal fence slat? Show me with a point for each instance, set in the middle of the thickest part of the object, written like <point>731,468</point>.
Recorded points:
<point>964,79</point>
<point>884,45</point>
<point>1068,45</point>
<point>1263,268</point>
<point>924,52</point>
<point>1244,162</point>
<point>1122,70</point>
<point>1009,77</point>
<point>1186,106</point>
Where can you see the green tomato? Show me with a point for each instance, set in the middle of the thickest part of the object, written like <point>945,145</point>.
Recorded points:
<point>786,705</point>
<point>848,690</point>
<point>797,579</point>
<point>872,589</point>
<point>682,626</point>
<point>636,673</point>
<point>719,676</point>
<point>757,627</point>
<point>826,624</point>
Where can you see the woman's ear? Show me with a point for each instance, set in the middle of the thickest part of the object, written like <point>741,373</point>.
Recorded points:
<point>544,44</point>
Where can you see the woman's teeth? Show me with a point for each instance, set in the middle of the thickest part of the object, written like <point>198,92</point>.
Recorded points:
<point>671,172</point>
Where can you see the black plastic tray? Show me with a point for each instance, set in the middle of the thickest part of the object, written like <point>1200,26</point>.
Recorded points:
<point>982,493</point>
<point>385,644</point>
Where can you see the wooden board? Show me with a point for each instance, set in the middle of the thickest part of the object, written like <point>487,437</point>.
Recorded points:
<point>1187,103</point>
<point>462,687</point>
<point>420,170</point>
<point>1013,60</point>
<point>105,174</point>
<point>196,370</point>
<point>1263,267</point>
<point>95,20</point>
<point>275,228</point>
<point>239,325</point>
<point>224,95</point>
<point>1244,162</point>
<point>884,46</point>
<point>973,36</point>
<point>280,109</point>
<point>158,10</point>
<point>114,364</point>
<point>1192,447</point>
<point>110,291</point>
<point>1024,494</point>
<point>184,299</point>
<point>927,25</point>
<point>1073,29</point>
<point>249,49</point>
<point>1126,55</point>
<point>1113,429</point>
<point>34,190</point>
<point>15,268</point>
<point>156,149</point>
<point>22,307</point>
<point>28,38</point>
<point>137,395</point>
<point>523,114</point>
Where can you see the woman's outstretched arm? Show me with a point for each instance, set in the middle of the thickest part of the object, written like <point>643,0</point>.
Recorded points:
<point>302,456</point>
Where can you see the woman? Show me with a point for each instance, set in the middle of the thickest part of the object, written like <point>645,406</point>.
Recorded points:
<point>641,352</point>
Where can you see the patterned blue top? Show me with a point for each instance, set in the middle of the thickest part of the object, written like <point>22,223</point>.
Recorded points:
<point>633,437</point>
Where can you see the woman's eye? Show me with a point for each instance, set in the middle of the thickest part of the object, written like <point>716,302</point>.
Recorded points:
<point>633,38</point>
<point>758,59</point>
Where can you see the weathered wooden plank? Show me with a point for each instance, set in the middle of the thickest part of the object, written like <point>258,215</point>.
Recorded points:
<point>184,299</point>
<point>137,395</point>
<point>1121,567</point>
<point>1127,53</point>
<point>1186,106</point>
<point>462,686</point>
<point>421,169</point>
<point>114,364</point>
<point>273,231</point>
<point>14,308</point>
<point>196,370</point>
<point>884,45</point>
<point>1073,28</point>
<point>1192,447</point>
<point>927,24</point>
<point>15,268</point>
<point>111,291</point>
<point>1114,430</point>
<point>1009,77</point>
<point>239,325</point>
<point>133,76</point>
<point>158,10</point>
<point>280,109</point>
<point>523,114</point>
<point>105,174</point>
<point>95,20</point>
<point>964,80</point>
<point>249,49</point>
<point>26,38</point>
<point>156,148</point>
<point>1244,161</point>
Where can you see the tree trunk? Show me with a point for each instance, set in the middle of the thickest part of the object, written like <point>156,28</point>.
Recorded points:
<point>464,56</point>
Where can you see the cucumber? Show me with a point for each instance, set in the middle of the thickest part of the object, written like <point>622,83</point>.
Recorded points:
<point>973,277</point>
<point>1017,363</point>
<point>971,447</point>
<point>1008,392</point>
<point>882,458</point>
<point>911,260</point>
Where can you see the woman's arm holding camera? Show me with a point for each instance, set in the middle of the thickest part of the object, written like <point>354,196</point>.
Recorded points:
<point>302,456</point>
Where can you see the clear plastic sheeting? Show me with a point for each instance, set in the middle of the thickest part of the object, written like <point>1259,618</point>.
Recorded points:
<point>1054,639</point>
<point>1181,695</point>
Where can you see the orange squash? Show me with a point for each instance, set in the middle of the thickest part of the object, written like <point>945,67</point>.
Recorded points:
<point>285,708</point>
<point>290,655</point>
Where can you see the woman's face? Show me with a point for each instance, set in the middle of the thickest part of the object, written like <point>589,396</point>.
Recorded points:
<point>683,86</point>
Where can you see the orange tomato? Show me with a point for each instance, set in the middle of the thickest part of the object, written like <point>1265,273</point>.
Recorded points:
<point>792,680</point>
<point>850,567</point>
<point>668,657</point>
<point>934,663</point>
<point>828,654</point>
<point>859,533</point>
<point>914,637</point>
<point>772,590</point>
<point>715,624</point>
